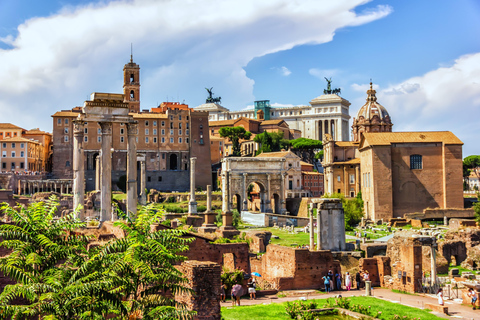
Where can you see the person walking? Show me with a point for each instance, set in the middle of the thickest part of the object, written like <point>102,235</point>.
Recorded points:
<point>338,277</point>
<point>348,281</point>
<point>473,296</point>
<point>222,292</point>
<point>358,279</point>
<point>251,289</point>
<point>330,278</point>
<point>326,282</point>
<point>440,297</point>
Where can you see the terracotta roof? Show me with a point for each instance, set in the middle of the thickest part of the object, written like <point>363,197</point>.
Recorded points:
<point>387,138</point>
<point>148,115</point>
<point>346,144</point>
<point>65,114</point>
<point>276,121</point>
<point>9,126</point>
<point>303,163</point>
<point>278,154</point>
<point>352,161</point>
<point>221,123</point>
<point>19,139</point>
<point>37,131</point>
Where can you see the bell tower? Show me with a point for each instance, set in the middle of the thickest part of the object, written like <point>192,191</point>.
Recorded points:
<point>131,85</point>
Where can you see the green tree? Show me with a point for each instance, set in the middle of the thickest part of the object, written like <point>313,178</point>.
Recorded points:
<point>234,134</point>
<point>271,141</point>
<point>307,149</point>
<point>353,209</point>
<point>476,208</point>
<point>471,164</point>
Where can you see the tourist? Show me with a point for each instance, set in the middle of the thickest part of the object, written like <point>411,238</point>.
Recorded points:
<point>473,296</point>
<point>222,292</point>
<point>366,276</point>
<point>326,282</point>
<point>348,281</point>
<point>251,288</point>
<point>330,278</point>
<point>236,293</point>
<point>338,277</point>
<point>440,296</point>
<point>357,280</point>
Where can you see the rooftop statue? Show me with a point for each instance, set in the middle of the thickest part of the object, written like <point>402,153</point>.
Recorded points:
<point>329,88</point>
<point>210,98</point>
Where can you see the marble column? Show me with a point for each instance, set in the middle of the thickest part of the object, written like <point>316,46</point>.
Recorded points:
<point>283,209</point>
<point>78,167</point>
<point>244,196</point>
<point>433,263</point>
<point>143,182</point>
<point>98,170</point>
<point>224,192</point>
<point>192,204</point>
<point>131,169</point>
<point>106,177</point>
<point>269,196</point>
<point>319,227</point>
<point>311,230</point>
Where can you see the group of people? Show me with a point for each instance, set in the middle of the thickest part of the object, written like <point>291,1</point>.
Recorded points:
<point>237,292</point>
<point>332,282</point>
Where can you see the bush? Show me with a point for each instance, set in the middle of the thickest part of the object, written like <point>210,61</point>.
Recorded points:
<point>175,209</point>
<point>296,308</point>
<point>171,199</point>
<point>166,222</point>
<point>230,278</point>
<point>236,220</point>
<point>201,208</point>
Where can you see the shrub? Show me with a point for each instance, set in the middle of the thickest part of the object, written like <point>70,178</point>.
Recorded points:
<point>201,208</point>
<point>171,199</point>
<point>167,222</point>
<point>230,278</point>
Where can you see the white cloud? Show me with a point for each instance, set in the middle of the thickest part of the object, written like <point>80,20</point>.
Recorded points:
<point>285,71</point>
<point>55,62</point>
<point>445,99</point>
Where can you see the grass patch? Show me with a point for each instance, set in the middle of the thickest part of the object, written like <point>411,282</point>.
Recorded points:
<point>277,310</point>
<point>286,238</point>
<point>460,269</point>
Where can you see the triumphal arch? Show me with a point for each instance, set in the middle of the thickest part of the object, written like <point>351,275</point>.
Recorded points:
<point>268,174</point>
<point>105,109</point>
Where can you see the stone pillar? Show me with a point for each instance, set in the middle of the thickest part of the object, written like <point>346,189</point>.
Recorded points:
<point>244,196</point>
<point>131,169</point>
<point>368,288</point>
<point>78,167</point>
<point>269,195</point>
<point>433,262</point>
<point>192,204</point>
<point>224,192</point>
<point>357,180</point>
<point>204,280</point>
<point>98,166</point>
<point>319,228</point>
<point>310,216</point>
<point>283,208</point>
<point>106,177</point>
<point>61,188</point>
<point>143,183</point>
<point>209,198</point>
<point>208,225</point>
<point>445,221</point>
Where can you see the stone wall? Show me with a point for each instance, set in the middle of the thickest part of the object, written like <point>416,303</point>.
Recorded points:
<point>454,224</point>
<point>297,268</point>
<point>204,279</point>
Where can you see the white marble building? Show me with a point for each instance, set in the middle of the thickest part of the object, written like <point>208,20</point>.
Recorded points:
<point>328,113</point>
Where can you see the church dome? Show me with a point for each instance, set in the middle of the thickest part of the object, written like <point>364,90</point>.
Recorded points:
<point>372,117</point>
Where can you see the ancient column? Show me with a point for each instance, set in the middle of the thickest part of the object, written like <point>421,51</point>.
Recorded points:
<point>131,169</point>
<point>269,195</point>
<point>310,216</point>
<point>143,182</point>
<point>98,170</point>
<point>106,177</point>
<point>224,192</point>
<point>433,262</point>
<point>244,196</point>
<point>208,225</point>
<point>61,188</point>
<point>283,208</point>
<point>209,198</point>
<point>192,204</point>
<point>319,227</point>
<point>78,167</point>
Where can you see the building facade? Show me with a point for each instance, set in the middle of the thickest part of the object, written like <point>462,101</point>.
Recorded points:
<point>168,136</point>
<point>312,181</point>
<point>22,155</point>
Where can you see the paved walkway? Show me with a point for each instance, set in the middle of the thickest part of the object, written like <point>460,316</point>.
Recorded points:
<point>455,309</point>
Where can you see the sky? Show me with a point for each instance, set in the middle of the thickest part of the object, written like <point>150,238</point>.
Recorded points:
<point>423,56</point>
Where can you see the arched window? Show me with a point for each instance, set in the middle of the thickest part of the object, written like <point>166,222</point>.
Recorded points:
<point>132,78</point>
<point>132,94</point>
<point>416,162</point>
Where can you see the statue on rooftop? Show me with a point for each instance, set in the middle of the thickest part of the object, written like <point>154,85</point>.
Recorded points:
<point>210,98</point>
<point>329,88</point>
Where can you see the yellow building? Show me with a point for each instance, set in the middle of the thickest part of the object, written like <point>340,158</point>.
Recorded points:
<point>21,155</point>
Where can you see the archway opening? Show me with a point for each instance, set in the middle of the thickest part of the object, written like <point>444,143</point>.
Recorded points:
<point>256,196</point>
<point>173,162</point>
<point>276,203</point>
<point>237,202</point>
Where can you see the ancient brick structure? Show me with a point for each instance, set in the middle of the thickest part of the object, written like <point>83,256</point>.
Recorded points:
<point>294,268</point>
<point>204,279</point>
<point>377,268</point>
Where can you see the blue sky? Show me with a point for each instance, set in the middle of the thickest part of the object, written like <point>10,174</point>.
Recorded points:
<point>423,56</point>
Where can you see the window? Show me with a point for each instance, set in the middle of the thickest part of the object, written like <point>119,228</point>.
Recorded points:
<point>66,121</point>
<point>149,178</point>
<point>99,139</point>
<point>65,130</point>
<point>146,139</point>
<point>65,139</point>
<point>163,131</point>
<point>122,131</point>
<point>180,125</point>
<point>186,132</point>
<point>201,141</point>
<point>132,94</point>
<point>146,123</point>
<point>186,140</point>
<point>339,178</point>
<point>179,140</point>
<point>352,178</point>
<point>171,140</point>
<point>4,145</point>
<point>99,131</point>
<point>154,139</point>
<point>14,145</point>
<point>154,132</point>
<point>85,139</point>
<point>171,132</point>
<point>85,130</point>
<point>154,123</point>
<point>163,155</point>
<point>171,125</point>
<point>416,162</point>
<point>180,117</point>
<point>187,118</point>
<point>180,132</point>
<point>201,126</point>
<point>159,178</point>
<point>59,121</point>
<point>163,123</point>
<point>67,164</point>
<point>4,154</point>
<point>13,154</point>
<point>171,118</point>
<point>4,165</point>
<point>121,139</point>
<point>188,126</point>
<point>13,165</point>
<point>146,132</point>
<point>22,165</point>
<point>163,140</point>
<point>132,78</point>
